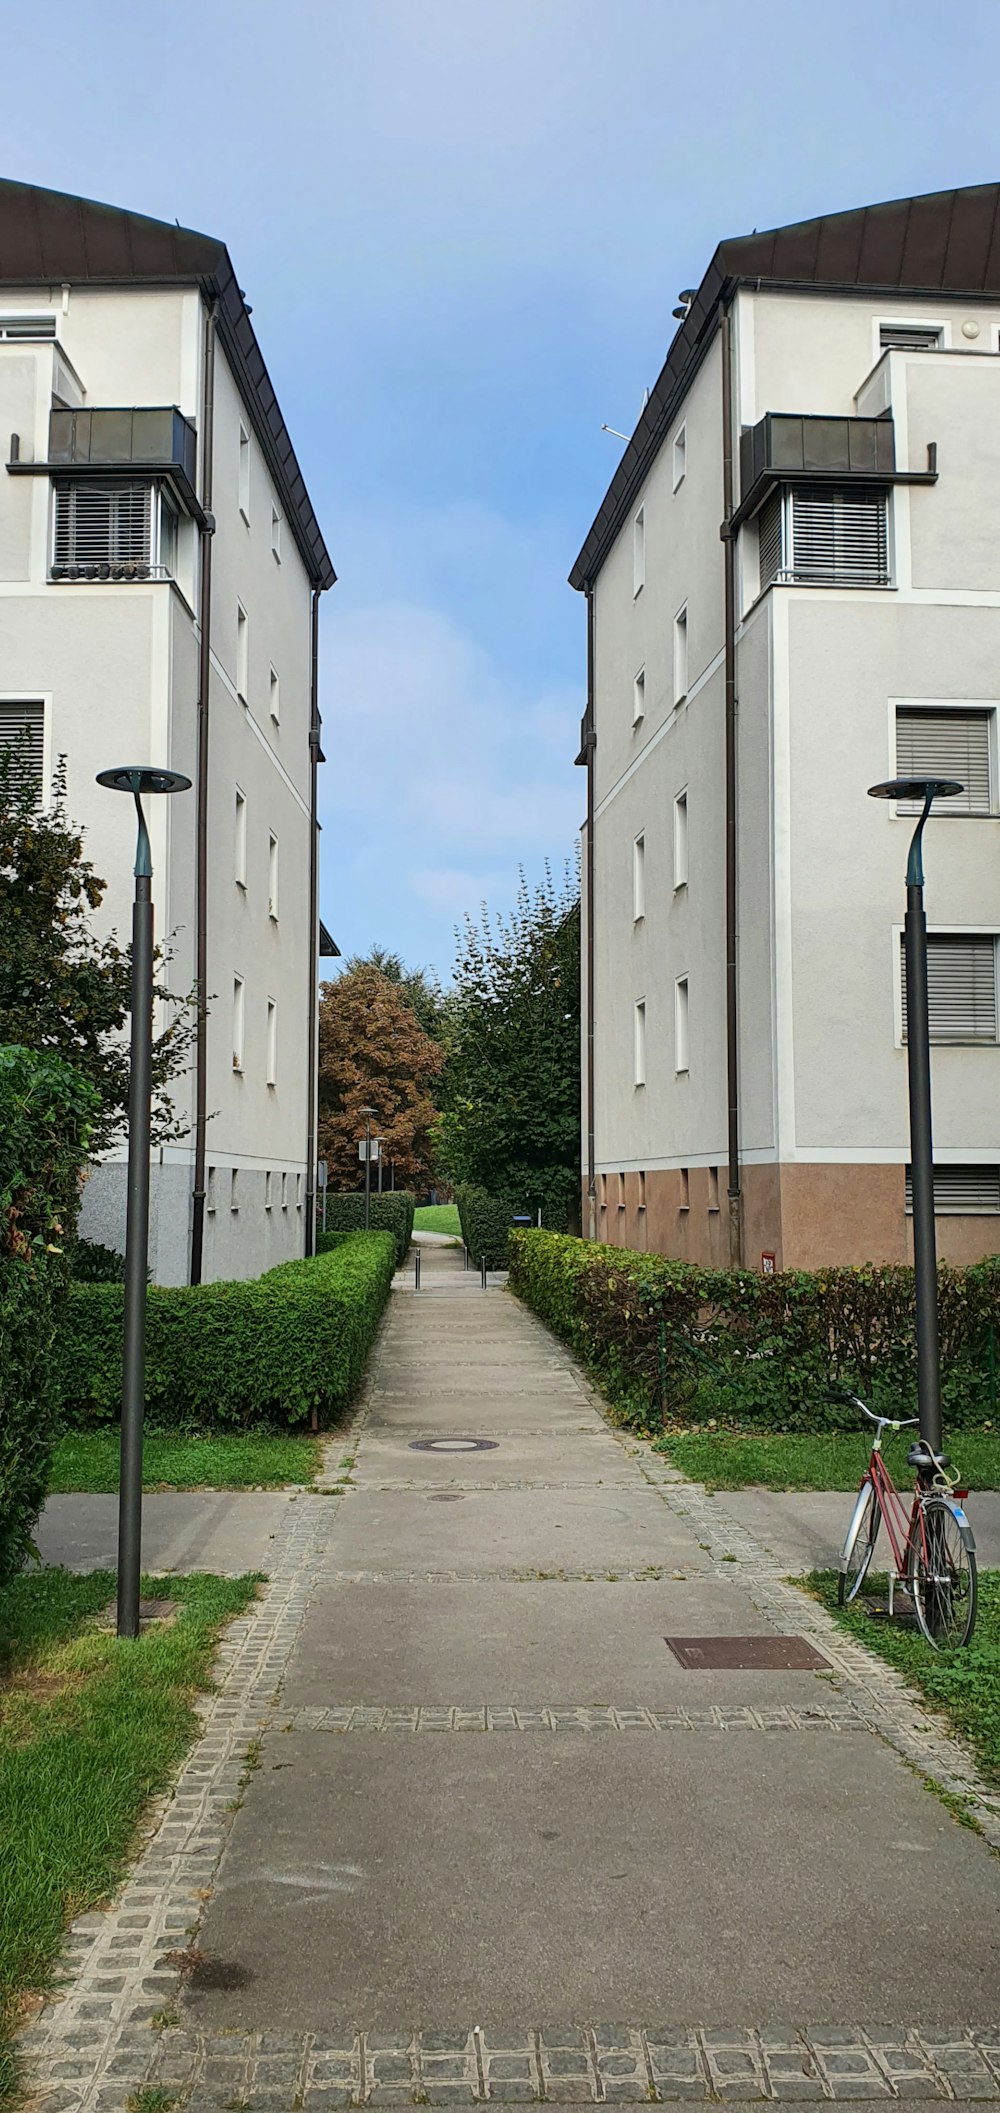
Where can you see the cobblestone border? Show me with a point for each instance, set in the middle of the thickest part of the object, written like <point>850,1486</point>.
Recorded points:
<point>565,1717</point>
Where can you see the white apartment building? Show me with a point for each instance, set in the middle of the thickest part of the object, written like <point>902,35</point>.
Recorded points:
<point>160,575</point>
<point>793,592</point>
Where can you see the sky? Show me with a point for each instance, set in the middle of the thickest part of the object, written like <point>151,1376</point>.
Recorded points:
<point>462,225</point>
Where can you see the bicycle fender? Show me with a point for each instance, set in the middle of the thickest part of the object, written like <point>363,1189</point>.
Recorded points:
<point>964,1527</point>
<point>855,1525</point>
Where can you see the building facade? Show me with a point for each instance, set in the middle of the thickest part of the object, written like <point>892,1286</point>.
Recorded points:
<point>793,592</point>
<point>160,575</point>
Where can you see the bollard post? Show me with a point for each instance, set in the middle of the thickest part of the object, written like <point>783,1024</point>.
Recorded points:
<point>482,1265</point>
<point>416,1269</point>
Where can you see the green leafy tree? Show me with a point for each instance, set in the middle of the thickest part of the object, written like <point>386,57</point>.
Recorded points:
<point>62,989</point>
<point>511,1088</point>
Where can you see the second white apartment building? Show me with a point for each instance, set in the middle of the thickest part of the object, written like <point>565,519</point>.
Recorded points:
<point>160,574</point>
<point>793,592</point>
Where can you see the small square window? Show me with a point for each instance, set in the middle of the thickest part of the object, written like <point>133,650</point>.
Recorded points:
<point>245,474</point>
<point>639,551</point>
<point>713,1188</point>
<point>240,846</point>
<point>284,1192</point>
<point>685,1202</point>
<point>275,699</point>
<point>242,652</point>
<point>681,1024</point>
<point>639,878</point>
<point>639,697</point>
<point>298,1192</point>
<point>681,839</point>
<point>234,1189</point>
<point>210,1190</point>
<point>276,533</point>
<point>680,655</point>
<point>239,994</point>
<point>272,877</point>
<point>640,1042</point>
<point>272,1043</point>
<point>268,1188</point>
<point>680,456</point>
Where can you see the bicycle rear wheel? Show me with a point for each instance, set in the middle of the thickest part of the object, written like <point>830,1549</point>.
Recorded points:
<point>859,1546</point>
<point>941,1575</point>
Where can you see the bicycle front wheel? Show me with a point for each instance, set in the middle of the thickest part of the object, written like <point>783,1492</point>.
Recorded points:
<point>859,1546</point>
<point>941,1575</point>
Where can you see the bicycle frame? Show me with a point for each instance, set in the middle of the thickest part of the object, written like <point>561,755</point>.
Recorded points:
<point>901,1527</point>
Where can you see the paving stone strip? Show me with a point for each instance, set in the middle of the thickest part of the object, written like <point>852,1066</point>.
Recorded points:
<point>564,1717</point>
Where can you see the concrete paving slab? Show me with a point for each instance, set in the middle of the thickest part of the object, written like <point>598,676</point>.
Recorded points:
<point>485,1413</point>
<point>591,1458</point>
<point>226,1531</point>
<point>806,1529</point>
<point>569,1529</point>
<point>380,1882</point>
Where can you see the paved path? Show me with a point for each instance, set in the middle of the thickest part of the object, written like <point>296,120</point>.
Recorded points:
<point>493,1811</point>
<point>806,1527</point>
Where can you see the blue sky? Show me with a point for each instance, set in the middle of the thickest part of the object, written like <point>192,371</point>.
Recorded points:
<point>462,227</point>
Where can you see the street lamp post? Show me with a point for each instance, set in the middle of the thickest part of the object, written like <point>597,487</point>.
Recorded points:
<point>137,780</point>
<point>369,1116</point>
<point>918,1065</point>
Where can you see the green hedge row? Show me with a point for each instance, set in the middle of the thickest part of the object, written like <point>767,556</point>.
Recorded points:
<point>224,1355</point>
<point>391,1212</point>
<point>485,1222</point>
<point>664,1337</point>
<point>46,1112</point>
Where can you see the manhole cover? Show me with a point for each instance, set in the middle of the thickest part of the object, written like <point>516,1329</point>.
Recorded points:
<point>453,1445</point>
<point>746,1654</point>
<point>446,1497</point>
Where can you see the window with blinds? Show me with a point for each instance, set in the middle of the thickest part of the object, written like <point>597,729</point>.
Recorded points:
<point>947,743</point>
<point>770,526</point>
<point>814,534</point>
<point>910,337</point>
<point>970,1192</point>
<point>22,732</point>
<point>102,531</point>
<point>961,986</point>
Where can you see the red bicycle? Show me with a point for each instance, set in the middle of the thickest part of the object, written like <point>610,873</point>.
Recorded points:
<point>933,1546</point>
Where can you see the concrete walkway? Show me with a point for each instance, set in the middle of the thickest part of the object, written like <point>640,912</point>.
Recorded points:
<point>493,1810</point>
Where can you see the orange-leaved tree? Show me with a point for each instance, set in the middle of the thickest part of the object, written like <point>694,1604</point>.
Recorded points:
<point>374,1053</point>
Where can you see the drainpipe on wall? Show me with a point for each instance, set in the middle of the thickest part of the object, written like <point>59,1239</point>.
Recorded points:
<point>311,1020</point>
<point>590,745</point>
<point>201,824</point>
<point>735,1187</point>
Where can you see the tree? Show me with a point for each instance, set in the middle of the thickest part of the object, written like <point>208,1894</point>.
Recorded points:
<point>61,988</point>
<point>419,986</point>
<point>374,1053</point>
<point>511,1100</point>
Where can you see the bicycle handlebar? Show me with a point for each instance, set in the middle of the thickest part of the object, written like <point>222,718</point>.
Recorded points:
<point>888,1423</point>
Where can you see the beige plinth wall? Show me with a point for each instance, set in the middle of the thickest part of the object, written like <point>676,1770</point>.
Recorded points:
<point>806,1216</point>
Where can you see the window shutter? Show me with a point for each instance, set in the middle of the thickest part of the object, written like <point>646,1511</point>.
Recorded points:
<point>839,536</point>
<point>769,539</point>
<point>950,744</point>
<point>961,987</point>
<point>910,337</point>
<point>21,732</point>
<point>962,1191</point>
<point>102,531</point>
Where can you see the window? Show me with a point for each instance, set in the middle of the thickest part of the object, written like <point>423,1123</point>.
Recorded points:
<point>240,848</point>
<point>268,1189</point>
<point>298,1192</point>
<point>680,654</point>
<point>639,878</point>
<point>639,697</point>
<point>681,1024</point>
<point>713,1188</point>
<point>815,534</point>
<point>234,1189</point>
<point>22,738</point>
<point>680,456</point>
<point>681,839</point>
<point>284,1192</point>
<point>911,337</point>
<point>242,652</point>
<point>275,533</point>
<point>640,1042</point>
<point>641,1205</point>
<point>275,699</point>
<point>27,326</point>
<point>604,1192</point>
<point>272,1042</point>
<point>945,743</point>
<point>621,1191</point>
<point>102,532</point>
<point>272,876</point>
<point>685,1202</point>
<point>245,474</point>
<point>969,1192</point>
<point>239,993</point>
<point>961,986</point>
<point>210,1190</point>
<point>639,551</point>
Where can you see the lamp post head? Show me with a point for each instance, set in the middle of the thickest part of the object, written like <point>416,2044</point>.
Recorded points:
<point>916,789</point>
<point>140,777</point>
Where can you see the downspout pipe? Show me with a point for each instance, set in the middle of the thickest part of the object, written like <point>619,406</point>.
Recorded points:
<point>590,745</point>
<point>201,821</point>
<point>312,1083</point>
<point>735,1183</point>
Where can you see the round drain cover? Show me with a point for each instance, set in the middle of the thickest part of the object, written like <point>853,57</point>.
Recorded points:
<point>453,1445</point>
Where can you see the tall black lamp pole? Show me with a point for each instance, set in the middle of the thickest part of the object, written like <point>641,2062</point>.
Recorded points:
<point>137,780</point>
<point>918,1065</point>
<point>368,1114</point>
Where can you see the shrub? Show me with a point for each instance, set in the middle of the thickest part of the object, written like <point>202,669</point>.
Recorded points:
<point>93,1263</point>
<point>46,1112</point>
<point>392,1212</point>
<point>233,1355</point>
<point>485,1222</point>
<point>666,1337</point>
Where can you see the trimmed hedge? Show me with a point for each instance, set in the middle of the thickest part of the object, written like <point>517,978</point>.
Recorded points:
<point>220,1356</point>
<point>93,1263</point>
<point>392,1212</point>
<point>485,1222</point>
<point>46,1113</point>
<point>667,1338</point>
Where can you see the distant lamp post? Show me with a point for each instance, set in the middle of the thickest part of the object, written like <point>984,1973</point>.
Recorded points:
<point>370,1116</point>
<point>136,780</point>
<point>918,1064</point>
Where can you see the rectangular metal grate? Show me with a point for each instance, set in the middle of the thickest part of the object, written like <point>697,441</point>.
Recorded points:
<point>746,1654</point>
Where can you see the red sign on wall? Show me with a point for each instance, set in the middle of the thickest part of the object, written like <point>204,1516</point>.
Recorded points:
<point>767,1264</point>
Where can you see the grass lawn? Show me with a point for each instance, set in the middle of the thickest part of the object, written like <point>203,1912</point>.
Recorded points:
<point>437,1218</point>
<point>90,1730</point>
<point>794,1460</point>
<point>88,1460</point>
<point>964,1684</point>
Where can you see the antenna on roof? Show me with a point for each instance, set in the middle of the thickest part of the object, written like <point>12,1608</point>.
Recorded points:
<point>615,432</point>
<point>684,302</point>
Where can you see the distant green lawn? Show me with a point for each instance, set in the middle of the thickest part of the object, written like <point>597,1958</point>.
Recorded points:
<point>88,1461</point>
<point>90,1729</point>
<point>834,1460</point>
<point>437,1218</point>
<point>964,1684</point>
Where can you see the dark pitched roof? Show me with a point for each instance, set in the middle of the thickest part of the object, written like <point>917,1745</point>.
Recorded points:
<point>49,237</point>
<point>946,242</point>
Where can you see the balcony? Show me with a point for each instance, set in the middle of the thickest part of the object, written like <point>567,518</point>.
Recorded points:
<point>153,441</point>
<point>787,449</point>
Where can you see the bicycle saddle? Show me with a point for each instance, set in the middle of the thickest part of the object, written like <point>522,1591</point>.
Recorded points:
<point>919,1457</point>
